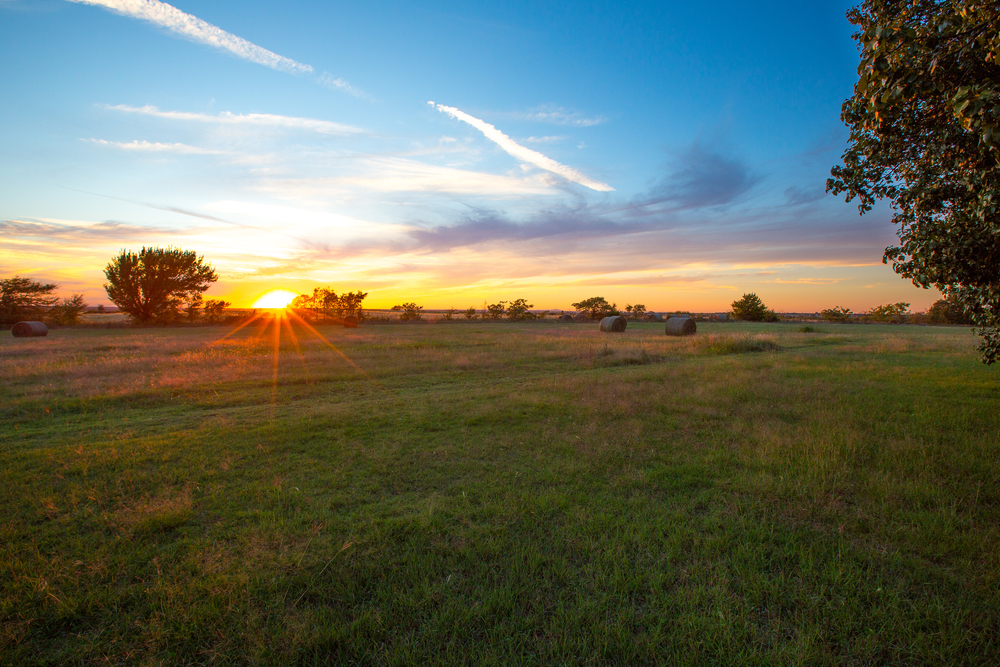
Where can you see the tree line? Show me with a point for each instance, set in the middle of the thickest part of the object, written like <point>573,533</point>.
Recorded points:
<point>166,286</point>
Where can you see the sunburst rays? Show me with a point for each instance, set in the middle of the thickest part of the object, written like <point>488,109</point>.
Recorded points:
<point>270,324</point>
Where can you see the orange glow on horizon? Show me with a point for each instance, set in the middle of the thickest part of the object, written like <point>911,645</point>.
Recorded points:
<point>276,298</point>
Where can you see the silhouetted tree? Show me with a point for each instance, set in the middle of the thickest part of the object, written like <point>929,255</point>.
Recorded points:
<point>325,302</point>
<point>519,310</point>
<point>596,307</point>
<point>68,312</point>
<point>751,309</point>
<point>154,284</point>
<point>838,314</point>
<point>496,310</point>
<point>411,311</point>
<point>24,299</point>
<point>891,312</point>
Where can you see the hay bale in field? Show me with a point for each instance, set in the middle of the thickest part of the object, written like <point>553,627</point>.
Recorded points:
<point>351,322</point>
<point>615,323</point>
<point>680,326</point>
<point>581,317</point>
<point>654,317</point>
<point>29,329</point>
<point>565,317</point>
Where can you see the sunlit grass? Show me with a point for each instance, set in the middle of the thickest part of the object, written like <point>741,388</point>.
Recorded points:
<point>515,494</point>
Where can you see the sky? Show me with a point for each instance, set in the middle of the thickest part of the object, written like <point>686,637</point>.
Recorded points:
<point>672,154</point>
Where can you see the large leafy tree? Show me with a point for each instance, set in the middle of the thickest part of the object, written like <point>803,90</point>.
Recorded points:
<point>154,284</point>
<point>925,135</point>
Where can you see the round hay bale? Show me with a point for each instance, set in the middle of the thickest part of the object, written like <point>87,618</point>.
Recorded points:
<point>29,329</point>
<point>581,317</point>
<point>565,317</point>
<point>680,326</point>
<point>654,317</point>
<point>615,323</point>
<point>351,321</point>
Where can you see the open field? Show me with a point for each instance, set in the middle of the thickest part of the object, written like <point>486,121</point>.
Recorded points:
<point>475,493</point>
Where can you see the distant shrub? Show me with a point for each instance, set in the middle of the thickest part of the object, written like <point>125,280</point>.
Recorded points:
<point>215,310</point>
<point>470,314</point>
<point>636,312</point>
<point>447,315</point>
<point>68,312</point>
<point>519,310</point>
<point>807,329</point>
<point>411,311</point>
<point>751,309</point>
<point>894,313</point>
<point>838,314</point>
<point>496,310</point>
<point>949,311</point>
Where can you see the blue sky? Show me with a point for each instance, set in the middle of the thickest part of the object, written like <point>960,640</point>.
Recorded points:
<point>671,154</point>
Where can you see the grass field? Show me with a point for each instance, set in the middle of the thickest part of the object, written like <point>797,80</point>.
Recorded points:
<point>474,493</point>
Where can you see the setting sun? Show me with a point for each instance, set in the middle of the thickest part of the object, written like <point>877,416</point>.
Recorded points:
<point>277,298</point>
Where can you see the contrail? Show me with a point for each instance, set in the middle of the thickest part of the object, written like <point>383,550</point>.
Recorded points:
<point>520,152</point>
<point>195,29</point>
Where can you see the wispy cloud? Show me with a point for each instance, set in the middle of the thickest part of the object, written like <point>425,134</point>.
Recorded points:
<point>258,119</point>
<point>154,147</point>
<point>193,28</point>
<point>370,174</point>
<point>45,230</point>
<point>338,84</point>
<point>521,153</point>
<point>798,196</point>
<point>485,226</point>
<point>559,116</point>
<point>702,178</point>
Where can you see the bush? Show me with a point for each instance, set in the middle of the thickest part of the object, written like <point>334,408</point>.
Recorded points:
<point>496,310</point>
<point>411,311</point>
<point>519,310</point>
<point>470,314</point>
<point>68,312</point>
<point>894,313</point>
<point>635,312</point>
<point>215,310</point>
<point>751,309</point>
<point>949,311</point>
<point>838,314</point>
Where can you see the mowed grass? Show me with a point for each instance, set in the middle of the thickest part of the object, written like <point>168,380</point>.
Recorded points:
<point>472,493</point>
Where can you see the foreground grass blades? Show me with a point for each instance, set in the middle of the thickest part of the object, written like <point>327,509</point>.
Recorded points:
<point>500,494</point>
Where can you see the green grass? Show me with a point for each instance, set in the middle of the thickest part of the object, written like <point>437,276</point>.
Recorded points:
<point>474,493</point>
